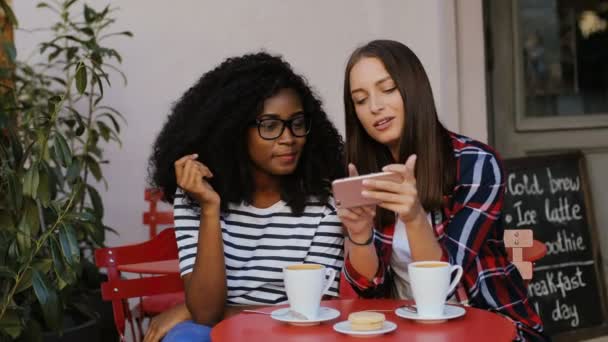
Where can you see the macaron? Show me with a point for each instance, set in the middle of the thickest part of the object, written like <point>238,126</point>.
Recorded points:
<point>366,320</point>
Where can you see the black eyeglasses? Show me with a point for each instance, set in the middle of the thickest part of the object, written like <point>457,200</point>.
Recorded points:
<point>271,128</point>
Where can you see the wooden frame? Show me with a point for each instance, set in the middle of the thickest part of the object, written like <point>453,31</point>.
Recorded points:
<point>527,123</point>
<point>601,329</point>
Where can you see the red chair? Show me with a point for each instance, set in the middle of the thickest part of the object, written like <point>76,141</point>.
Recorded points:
<point>153,217</point>
<point>119,290</point>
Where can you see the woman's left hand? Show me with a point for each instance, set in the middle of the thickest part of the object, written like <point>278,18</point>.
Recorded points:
<point>401,198</point>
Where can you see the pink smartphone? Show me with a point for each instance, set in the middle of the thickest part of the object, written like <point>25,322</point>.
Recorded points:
<point>347,191</point>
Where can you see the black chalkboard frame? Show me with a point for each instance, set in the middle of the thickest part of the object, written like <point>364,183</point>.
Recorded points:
<point>579,158</point>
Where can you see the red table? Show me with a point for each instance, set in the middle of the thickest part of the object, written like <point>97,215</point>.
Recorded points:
<point>475,325</point>
<point>156,267</point>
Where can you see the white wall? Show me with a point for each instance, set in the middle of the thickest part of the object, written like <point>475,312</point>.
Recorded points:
<point>471,69</point>
<point>175,42</point>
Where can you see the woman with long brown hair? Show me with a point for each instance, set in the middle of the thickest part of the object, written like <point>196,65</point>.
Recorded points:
<point>447,206</point>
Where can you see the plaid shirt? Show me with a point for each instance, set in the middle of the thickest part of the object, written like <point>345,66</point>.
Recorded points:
<point>470,234</point>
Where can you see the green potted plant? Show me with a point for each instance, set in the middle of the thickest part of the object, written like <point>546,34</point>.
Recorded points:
<point>53,128</point>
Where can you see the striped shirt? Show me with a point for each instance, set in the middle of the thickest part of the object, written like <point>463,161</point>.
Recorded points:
<point>258,243</point>
<point>469,232</point>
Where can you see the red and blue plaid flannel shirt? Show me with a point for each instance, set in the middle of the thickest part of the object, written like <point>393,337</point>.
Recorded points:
<point>470,233</point>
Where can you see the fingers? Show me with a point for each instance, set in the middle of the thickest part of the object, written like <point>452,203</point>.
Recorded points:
<point>181,162</point>
<point>370,210</point>
<point>185,158</point>
<point>407,170</point>
<point>204,170</point>
<point>151,333</point>
<point>410,165</point>
<point>385,197</point>
<point>357,210</point>
<point>347,214</point>
<point>184,182</point>
<point>194,174</point>
<point>352,170</point>
<point>190,172</point>
<point>389,186</point>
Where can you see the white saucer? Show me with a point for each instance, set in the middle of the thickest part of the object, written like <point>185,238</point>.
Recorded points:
<point>345,328</point>
<point>450,312</point>
<point>285,315</point>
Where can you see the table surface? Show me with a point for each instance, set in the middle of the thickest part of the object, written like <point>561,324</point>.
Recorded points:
<point>475,325</point>
<point>156,267</point>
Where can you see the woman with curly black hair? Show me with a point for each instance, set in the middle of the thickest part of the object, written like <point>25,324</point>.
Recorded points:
<point>247,156</point>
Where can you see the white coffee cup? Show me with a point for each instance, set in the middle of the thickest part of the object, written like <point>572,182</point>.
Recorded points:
<point>430,282</point>
<point>305,285</point>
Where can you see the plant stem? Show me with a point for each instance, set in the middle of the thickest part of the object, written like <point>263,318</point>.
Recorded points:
<point>39,243</point>
<point>85,149</point>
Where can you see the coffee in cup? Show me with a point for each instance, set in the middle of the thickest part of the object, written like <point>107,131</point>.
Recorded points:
<point>305,285</point>
<point>430,282</point>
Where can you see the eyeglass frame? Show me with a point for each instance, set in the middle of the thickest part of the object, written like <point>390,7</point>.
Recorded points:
<point>284,123</point>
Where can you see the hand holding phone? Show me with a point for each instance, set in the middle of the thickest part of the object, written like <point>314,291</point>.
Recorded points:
<point>347,191</point>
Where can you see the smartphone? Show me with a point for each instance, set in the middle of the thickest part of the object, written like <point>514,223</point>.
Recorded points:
<point>347,191</point>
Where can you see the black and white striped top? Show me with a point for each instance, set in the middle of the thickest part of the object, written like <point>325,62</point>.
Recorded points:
<point>258,243</point>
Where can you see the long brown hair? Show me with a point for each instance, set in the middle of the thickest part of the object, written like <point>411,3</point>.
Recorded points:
<point>422,133</point>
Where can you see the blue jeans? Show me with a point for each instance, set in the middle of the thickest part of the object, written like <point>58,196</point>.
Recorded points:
<point>188,331</point>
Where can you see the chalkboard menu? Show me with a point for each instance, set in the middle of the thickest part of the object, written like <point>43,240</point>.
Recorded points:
<point>550,195</point>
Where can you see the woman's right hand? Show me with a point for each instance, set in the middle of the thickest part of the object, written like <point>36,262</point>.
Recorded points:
<point>190,175</point>
<point>358,221</point>
<point>165,321</point>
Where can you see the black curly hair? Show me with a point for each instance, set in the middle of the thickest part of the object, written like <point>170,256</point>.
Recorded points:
<point>212,117</point>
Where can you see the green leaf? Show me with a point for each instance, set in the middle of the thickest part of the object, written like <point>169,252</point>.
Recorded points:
<point>26,281</point>
<point>43,5</point>
<point>15,145</point>
<point>85,216</point>
<point>69,245</point>
<point>89,14</point>
<point>31,181</point>
<point>6,272</point>
<point>93,166</point>
<point>48,299</point>
<point>11,52</point>
<point>53,104</point>
<point>112,119</point>
<point>13,252</point>
<point>29,225</point>
<point>73,171</point>
<point>44,191</point>
<point>63,273</point>
<point>108,108</point>
<point>79,130</point>
<point>88,31</point>
<point>16,191</point>
<point>69,3</point>
<point>81,78</point>
<point>10,323</point>
<point>63,150</point>
<point>104,130</point>
<point>43,265</point>
<point>71,53</point>
<point>78,118</point>
<point>54,55</point>
<point>111,230</point>
<point>9,13</point>
<point>96,201</point>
